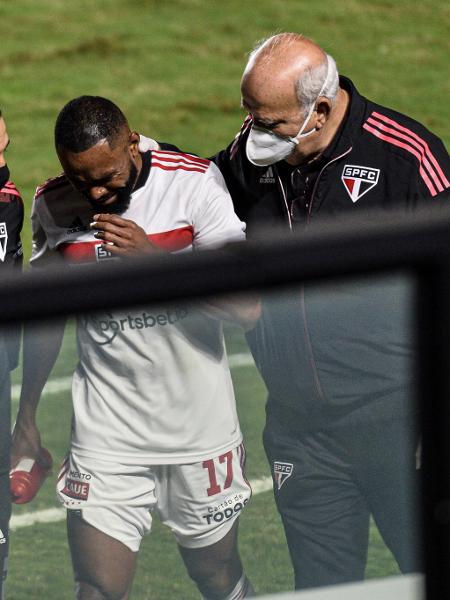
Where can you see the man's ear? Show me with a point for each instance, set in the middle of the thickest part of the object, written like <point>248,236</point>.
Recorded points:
<point>134,143</point>
<point>323,111</point>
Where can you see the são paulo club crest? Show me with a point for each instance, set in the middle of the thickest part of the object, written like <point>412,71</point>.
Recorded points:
<point>3,241</point>
<point>281,472</point>
<point>359,180</point>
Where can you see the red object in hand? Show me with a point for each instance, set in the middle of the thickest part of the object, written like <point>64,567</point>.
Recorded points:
<point>27,477</point>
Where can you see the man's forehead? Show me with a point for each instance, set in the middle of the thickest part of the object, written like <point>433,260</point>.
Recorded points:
<point>278,94</point>
<point>99,161</point>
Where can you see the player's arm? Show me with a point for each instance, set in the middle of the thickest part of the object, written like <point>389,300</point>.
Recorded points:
<point>243,309</point>
<point>41,346</point>
<point>217,225</point>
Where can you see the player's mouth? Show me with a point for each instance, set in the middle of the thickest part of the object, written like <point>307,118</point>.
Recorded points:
<point>107,200</point>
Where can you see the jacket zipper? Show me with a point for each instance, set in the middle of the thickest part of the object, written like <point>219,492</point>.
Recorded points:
<point>312,360</point>
<point>319,176</point>
<point>283,193</point>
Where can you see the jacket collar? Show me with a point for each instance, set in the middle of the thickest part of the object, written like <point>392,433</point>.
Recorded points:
<point>353,120</point>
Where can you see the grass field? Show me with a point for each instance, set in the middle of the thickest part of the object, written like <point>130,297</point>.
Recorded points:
<point>174,67</point>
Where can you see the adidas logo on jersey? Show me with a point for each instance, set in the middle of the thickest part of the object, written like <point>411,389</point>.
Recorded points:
<point>76,226</point>
<point>267,176</point>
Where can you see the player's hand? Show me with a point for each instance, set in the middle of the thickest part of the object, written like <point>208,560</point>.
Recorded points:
<point>122,237</point>
<point>4,140</point>
<point>26,441</point>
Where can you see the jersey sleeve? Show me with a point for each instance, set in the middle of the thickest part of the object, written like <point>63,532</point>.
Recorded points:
<point>41,253</point>
<point>214,220</point>
<point>433,175</point>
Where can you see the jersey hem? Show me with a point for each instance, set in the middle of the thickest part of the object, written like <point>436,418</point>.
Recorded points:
<point>157,458</point>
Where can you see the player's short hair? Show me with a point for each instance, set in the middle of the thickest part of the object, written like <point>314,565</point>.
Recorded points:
<point>85,121</point>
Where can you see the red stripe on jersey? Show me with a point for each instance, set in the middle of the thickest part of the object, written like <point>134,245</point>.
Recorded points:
<point>177,167</point>
<point>78,252</point>
<point>10,189</point>
<point>179,161</point>
<point>182,156</point>
<point>84,252</point>
<point>420,140</point>
<point>51,184</point>
<point>396,142</point>
<point>176,239</point>
<point>63,468</point>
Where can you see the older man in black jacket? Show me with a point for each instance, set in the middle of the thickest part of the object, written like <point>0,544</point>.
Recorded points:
<point>340,434</point>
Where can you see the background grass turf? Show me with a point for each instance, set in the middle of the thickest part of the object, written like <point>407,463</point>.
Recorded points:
<point>174,68</point>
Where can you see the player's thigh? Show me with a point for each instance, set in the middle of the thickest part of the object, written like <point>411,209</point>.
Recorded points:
<point>103,566</point>
<point>108,513</point>
<point>325,517</point>
<point>200,501</point>
<point>114,498</point>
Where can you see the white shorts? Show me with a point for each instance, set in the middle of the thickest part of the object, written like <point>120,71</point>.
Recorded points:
<point>199,501</point>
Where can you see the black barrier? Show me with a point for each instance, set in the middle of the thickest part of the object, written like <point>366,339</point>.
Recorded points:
<point>419,242</point>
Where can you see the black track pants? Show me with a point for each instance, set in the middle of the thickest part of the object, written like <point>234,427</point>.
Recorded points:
<point>327,485</point>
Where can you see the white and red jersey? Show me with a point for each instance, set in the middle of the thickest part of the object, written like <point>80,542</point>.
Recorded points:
<point>153,383</point>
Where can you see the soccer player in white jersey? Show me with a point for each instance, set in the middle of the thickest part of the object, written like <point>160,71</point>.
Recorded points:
<point>155,427</point>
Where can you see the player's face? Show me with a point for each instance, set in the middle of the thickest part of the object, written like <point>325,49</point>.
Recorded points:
<point>105,176</point>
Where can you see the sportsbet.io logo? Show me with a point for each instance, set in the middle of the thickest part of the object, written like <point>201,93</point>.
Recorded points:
<point>102,329</point>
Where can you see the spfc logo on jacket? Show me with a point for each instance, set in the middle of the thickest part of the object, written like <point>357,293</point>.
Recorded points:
<point>281,472</point>
<point>359,180</point>
<point>3,241</point>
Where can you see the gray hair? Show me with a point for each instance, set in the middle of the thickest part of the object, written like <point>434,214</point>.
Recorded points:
<point>310,83</point>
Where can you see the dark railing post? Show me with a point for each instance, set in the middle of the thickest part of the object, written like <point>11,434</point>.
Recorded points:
<point>434,389</point>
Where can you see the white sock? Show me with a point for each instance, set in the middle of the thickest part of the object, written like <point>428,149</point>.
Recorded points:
<point>243,589</point>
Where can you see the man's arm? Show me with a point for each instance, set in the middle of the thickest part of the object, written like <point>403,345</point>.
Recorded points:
<point>242,309</point>
<point>41,346</point>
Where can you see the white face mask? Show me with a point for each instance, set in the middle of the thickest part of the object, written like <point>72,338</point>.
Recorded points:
<point>265,147</point>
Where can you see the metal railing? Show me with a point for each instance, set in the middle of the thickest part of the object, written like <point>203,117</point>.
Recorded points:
<point>373,242</point>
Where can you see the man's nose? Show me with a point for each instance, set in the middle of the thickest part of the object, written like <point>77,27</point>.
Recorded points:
<point>97,192</point>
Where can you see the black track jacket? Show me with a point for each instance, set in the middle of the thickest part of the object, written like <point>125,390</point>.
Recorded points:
<point>343,351</point>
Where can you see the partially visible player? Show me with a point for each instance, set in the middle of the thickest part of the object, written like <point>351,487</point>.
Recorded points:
<point>155,427</point>
<point>11,219</point>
